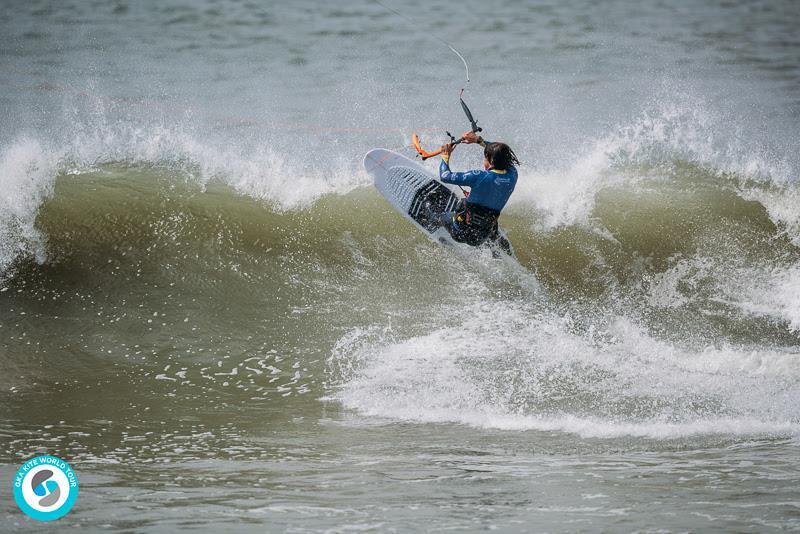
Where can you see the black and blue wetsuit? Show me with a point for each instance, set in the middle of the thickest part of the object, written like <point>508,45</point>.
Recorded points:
<point>476,218</point>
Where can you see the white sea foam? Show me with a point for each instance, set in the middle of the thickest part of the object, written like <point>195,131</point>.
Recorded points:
<point>565,194</point>
<point>782,202</point>
<point>764,289</point>
<point>254,168</point>
<point>509,366</point>
<point>26,170</point>
<point>769,292</point>
<point>679,128</point>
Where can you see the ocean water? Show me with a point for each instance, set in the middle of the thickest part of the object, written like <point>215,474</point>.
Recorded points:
<point>207,309</point>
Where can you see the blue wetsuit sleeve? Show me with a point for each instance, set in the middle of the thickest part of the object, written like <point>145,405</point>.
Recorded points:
<point>468,178</point>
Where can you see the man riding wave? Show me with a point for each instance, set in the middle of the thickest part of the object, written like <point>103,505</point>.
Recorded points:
<point>475,219</point>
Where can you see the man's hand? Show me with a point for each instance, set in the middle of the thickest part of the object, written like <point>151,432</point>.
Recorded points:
<point>448,149</point>
<point>470,137</point>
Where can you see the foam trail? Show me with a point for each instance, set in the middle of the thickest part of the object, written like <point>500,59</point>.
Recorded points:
<point>613,380</point>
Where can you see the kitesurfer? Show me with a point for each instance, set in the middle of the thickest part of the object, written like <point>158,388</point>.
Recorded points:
<point>475,219</point>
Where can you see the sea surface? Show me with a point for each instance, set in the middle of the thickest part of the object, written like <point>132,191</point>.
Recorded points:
<point>212,315</point>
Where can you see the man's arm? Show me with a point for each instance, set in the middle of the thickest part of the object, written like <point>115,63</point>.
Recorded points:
<point>471,137</point>
<point>466,179</point>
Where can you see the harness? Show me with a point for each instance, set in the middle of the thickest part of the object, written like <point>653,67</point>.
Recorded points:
<point>473,223</point>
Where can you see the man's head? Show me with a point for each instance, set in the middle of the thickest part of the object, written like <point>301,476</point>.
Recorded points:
<point>499,156</point>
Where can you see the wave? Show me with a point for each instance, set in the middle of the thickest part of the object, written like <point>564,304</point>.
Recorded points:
<point>644,219</point>
<point>30,168</point>
<point>659,294</point>
<point>677,140</point>
<point>515,367</point>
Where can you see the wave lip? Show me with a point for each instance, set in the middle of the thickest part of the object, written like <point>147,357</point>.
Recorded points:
<point>678,131</point>
<point>26,176</point>
<point>30,169</point>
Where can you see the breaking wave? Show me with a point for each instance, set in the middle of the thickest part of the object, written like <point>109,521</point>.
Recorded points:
<point>659,294</point>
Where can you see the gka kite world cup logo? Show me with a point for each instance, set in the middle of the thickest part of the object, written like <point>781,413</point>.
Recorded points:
<point>45,488</point>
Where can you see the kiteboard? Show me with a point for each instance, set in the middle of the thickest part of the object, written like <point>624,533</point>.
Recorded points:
<point>422,199</point>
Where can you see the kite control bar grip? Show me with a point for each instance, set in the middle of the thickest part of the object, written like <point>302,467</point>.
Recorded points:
<point>424,154</point>
<point>453,140</point>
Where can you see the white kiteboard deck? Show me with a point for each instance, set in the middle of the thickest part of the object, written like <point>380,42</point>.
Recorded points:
<point>415,193</point>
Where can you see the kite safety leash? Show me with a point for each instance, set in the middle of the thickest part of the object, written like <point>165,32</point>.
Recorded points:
<point>415,24</point>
